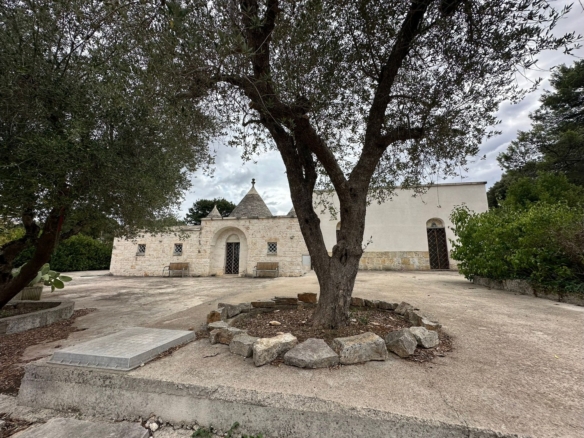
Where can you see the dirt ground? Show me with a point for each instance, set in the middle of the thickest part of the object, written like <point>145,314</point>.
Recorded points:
<point>516,367</point>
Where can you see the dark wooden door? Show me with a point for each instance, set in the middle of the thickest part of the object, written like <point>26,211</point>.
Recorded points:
<point>232,258</point>
<point>438,248</point>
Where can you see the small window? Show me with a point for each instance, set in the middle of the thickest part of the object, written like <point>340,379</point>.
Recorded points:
<point>141,249</point>
<point>178,249</point>
<point>272,248</point>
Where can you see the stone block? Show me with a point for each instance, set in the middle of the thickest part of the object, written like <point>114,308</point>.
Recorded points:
<point>430,325</point>
<point>213,316</point>
<point>403,307</point>
<point>401,342</point>
<point>124,350</point>
<point>307,297</point>
<point>70,427</point>
<point>360,348</point>
<point>413,317</point>
<point>312,353</point>
<point>242,345</point>
<point>263,304</point>
<point>266,350</point>
<point>357,302</point>
<point>372,304</point>
<point>224,335</point>
<point>216,325</point>
<point>286,301</point>
<point>425,338</point>
<point>387,306</point>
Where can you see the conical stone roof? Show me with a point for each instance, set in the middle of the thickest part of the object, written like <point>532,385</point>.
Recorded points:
<point>291,213</point>
<point>214,213</point>
<point>252,205</point>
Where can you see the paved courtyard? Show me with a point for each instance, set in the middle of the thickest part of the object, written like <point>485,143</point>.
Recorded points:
<point>517,365</point>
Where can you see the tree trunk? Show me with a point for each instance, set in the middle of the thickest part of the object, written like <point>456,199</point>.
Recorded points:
<point>44,248</point>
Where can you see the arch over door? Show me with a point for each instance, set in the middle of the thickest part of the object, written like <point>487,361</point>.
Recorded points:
<point>437,245</point>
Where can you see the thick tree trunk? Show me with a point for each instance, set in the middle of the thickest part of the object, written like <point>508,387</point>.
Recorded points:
<point>44,248</point>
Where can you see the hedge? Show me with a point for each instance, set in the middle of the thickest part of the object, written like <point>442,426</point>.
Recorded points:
<point>78,253</point>
<point>543,244</point>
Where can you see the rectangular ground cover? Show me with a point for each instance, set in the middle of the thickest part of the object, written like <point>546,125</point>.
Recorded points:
<point>124,350</point>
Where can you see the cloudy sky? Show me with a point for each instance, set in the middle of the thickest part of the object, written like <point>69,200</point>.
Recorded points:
<point>232,176</point>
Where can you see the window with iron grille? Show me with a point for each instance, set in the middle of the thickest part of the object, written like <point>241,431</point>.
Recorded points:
<point>178,249</point>
<point>141,249</point>
<point>272,248</point>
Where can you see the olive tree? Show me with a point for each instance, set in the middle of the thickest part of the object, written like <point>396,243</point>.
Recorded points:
<point>358,96</point>
<point>90,132</point>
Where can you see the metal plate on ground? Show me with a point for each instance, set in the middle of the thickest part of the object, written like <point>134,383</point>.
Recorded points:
<point>124,350</point>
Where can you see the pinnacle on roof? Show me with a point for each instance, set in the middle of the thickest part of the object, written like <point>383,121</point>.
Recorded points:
<point>214,213</point>
<point>292,212</point>
<point>252,205</point>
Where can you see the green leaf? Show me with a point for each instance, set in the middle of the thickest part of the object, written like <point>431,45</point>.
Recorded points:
<point>36,279</point>
<point>45,269</point>
<point>65,278</point>
<point>53,274</point>
<point>58,283</point>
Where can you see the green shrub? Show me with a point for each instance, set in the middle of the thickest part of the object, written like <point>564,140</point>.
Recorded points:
<point>78,253</point>
<point>543,244</point>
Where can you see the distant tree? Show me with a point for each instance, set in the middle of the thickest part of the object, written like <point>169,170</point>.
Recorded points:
<point>91,137</point>
<point>546,188</point>
<point>203,207</point>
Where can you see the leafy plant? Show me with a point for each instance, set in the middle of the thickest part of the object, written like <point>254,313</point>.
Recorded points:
<point>47,277</point>
<point>541,244</point>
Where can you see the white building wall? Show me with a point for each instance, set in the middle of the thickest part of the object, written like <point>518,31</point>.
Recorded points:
<point>396,229</point>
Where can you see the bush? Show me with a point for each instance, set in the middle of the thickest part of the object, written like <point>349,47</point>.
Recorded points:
<point>543,244</point>
<point>78,253</point>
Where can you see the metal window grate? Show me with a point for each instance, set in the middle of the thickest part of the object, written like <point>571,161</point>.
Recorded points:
<point>438,248</point>
<point>272,248</point>
<point>178,249</point>
<point>141,249</point>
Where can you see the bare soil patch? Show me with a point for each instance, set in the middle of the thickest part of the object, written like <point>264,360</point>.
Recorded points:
<point>298,322</point>
<point>12,347</point>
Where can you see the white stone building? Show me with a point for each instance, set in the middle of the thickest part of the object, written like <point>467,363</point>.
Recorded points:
<point>406,233</point>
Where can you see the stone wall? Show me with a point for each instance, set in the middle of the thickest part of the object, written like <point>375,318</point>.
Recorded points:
<point>204,247</point>
<point>395,261</point>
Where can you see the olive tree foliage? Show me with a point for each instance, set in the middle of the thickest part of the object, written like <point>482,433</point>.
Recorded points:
<point>90,132</point>
<point>359,96</point>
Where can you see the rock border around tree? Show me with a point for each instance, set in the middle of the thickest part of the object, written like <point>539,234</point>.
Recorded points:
<point>315,353</point>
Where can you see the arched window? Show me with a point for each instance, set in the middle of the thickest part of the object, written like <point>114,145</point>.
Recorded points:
<point>437,245</point>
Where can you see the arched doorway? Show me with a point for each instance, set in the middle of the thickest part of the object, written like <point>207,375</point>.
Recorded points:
<point>437,245</point>
<point>232,255</point>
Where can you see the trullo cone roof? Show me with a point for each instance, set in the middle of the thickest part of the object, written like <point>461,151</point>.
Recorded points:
<point>251,205</point>
<point>214,213</point>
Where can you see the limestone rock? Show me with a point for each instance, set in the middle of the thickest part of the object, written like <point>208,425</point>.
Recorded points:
<point>262,304</point>
<point>307,297</point>
<point>286,301</point>
<point>430,325</point>
<point>413,317</point>
<point>242,345</point>
<point>360,348</point>
<point>312,353</point>
<point>403,307</point>
<point>217,325</point>
<point>235,309</point>
<point>275,323</point>
<point>357,302</point>
<point>213,316</point>
<point>224,335</point>
<point>372,304</point>
<point>386,306</point>
<point>266,350</point>
<point>401,342</point>
<point>425,337</point>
